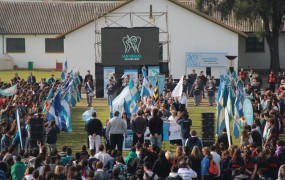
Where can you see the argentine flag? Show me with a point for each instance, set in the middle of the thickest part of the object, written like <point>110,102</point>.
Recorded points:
<point>65,121</point>
<point>64,71</point>
<point>9,91</point>
<point>133,90</point>
<point>145,88</point>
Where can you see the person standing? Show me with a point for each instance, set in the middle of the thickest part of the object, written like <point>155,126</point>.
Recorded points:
<point>94,130</point>
<point>272,79</point>
<point>185,124</point>
<point>116,128</point>
<point>223,138</point>
<point>216,159</point>
<point>51,135</point>
<point>16,79</point>
<point>110,87</point>
<point>79,86</point>
<point>31,78</point>
<point>18,169</point>
<point>139,125</point>
<point>88,76</point>
<point>191,79</point>
<point>155,127</point>
<point>51,79</point>
<point>89,88</point>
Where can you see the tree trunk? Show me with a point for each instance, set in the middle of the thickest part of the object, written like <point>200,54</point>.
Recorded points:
<point>274,53</point>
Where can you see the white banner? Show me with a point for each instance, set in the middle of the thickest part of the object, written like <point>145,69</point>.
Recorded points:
<point>133,74</point>
<point>200,59</point>
<point>174,130</point>
<point>107,72</point>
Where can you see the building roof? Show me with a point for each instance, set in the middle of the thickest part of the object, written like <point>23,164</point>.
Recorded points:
<point>63,17</point>
<point>54,17</point>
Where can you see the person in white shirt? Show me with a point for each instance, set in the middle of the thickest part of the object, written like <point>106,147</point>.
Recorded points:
<point>183,100</point>
<point>216,158</point>
<point>185,171</point>
<point>101,155</point>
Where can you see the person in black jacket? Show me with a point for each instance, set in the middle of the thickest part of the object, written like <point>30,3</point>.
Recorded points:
<point>51,135</point>
<point>223,138</point>
<point>94,131</point>
<point>139,125</point>
<point>155,127</point>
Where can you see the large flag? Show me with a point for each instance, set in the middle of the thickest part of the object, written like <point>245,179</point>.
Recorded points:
<point>55,109</point>
<point>65,120</point>
<point>224,96</point>
<point>221,86</point>
<point>119,100</point>
<point>230,102</point>
<point>156,92</point>
<point>133,90</point>
<point>145,88</point>
<point>64,71</point>
<point>86,116</point>
<point>227,122</point>
<point>19,128</point>
<point>220,122</point>
<point>177,91</point>
<point>9,91</point>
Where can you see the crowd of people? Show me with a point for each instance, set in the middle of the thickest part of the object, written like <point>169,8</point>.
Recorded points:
<point>260,154</point>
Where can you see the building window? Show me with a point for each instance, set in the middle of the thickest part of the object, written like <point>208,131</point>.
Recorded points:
<point>54,45</point>
<point>15,45</point>
<point>254,44</point>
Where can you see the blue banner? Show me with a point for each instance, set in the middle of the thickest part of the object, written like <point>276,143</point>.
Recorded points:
<point>9,91</point>
<point>165,131</point>
<point>248,111</point>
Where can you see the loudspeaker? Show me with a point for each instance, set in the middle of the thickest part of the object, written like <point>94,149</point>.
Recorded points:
<point>208,115</point>
<point>36,132</point>
<point>99,80</point>
<point>208,71</point>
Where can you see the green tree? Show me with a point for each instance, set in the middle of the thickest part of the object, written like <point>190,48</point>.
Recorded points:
<point>271,12</point>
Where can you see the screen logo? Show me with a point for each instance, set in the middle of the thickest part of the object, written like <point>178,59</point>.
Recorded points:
<point>132,42</point>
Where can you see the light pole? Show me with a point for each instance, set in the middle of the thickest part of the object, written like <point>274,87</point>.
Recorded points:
<point>231,62</point>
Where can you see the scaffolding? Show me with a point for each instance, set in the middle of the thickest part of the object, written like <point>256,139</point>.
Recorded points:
<point>130,20</point>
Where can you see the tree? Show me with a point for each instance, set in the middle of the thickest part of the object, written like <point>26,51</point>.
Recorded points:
<point>271,12</point>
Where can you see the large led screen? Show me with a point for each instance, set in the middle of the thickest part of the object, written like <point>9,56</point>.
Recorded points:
<point>130,46</point>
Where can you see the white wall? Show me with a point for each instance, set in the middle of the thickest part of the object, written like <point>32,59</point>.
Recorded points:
<point>80,49</point>
<point>260,60</point>
<point>35,51</point>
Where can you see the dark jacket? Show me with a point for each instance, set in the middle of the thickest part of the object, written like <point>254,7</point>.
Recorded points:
<point>185,127</point>
<point>139,125</point>
<point>155,125</point>
<point>31,79</point>
<point>94,126</point>
<point>223,138</point>
<point>89,88</point>
<point>162,168</point>
<point>101,175</point>
<point>194,141</point>
<point>51,134</point>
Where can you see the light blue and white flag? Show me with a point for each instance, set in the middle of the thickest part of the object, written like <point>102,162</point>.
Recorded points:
<point>64,71</point>
<point>145,88</point>
<point>133,90</point>
<point>9,91</point>
<point>19,128</point>
<point>86,116</point>
<point>65,114</point>
<point>119,100</point>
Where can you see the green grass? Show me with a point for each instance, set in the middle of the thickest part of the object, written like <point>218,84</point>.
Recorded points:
<point>6,76</point>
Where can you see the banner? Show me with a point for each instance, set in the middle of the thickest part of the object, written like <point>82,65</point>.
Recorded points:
<point>133,74</point>
<point>152,69</point>
<point>174,130</point>
<point>128,142</point>
<point>165,131</point>
<point>107,71</point>
<point>204,59</point>
<point>161,82</point>
<point>248,111</point>
<point>177,91</point>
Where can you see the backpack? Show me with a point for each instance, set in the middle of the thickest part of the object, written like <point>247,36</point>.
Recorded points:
<point>141,163</point>
<point>213,168</point>
<point>130,166</point>
<point>149,177</point>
